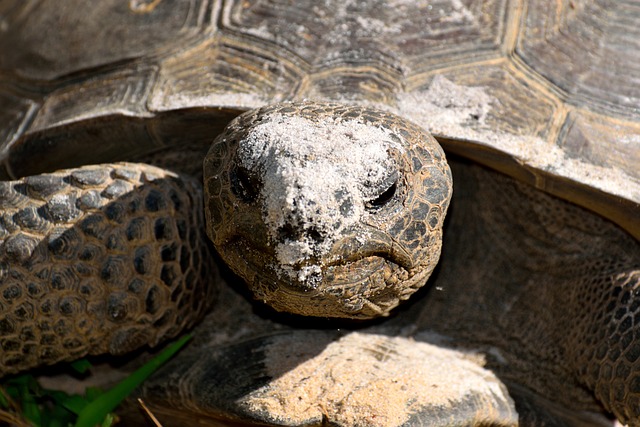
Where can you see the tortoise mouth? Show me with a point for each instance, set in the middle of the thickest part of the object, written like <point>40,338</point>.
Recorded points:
<point>351,267</point>
<point>363,283</point>
<point>351,251</point>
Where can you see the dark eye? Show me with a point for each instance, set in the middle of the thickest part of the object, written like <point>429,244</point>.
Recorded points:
<point>245,184</point>
<point>384,197</point>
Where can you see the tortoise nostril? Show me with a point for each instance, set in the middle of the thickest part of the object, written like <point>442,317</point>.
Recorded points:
<point>314,234</point>
<point>286,232</point>
<point>383,198</point>
<point>292,232</point>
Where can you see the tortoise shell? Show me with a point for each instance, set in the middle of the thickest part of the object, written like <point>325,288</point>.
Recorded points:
<point>544,91</point>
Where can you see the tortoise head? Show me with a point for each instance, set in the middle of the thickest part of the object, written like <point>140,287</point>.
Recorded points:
<point>325,209</point>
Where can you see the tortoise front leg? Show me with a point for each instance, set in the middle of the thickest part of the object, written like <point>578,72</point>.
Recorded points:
<point>609,360</point>
<point>99,259</point>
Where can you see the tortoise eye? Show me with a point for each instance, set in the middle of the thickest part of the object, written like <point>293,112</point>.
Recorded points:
<point>384,197</point>
<point>244,184</point>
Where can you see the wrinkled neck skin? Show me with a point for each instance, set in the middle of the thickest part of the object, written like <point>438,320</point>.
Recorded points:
<point>327,210</point>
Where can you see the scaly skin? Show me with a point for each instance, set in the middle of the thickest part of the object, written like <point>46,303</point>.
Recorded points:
<point>100,259</point>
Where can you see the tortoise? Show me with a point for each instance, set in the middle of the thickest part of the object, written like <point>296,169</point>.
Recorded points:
<point>325,192</point>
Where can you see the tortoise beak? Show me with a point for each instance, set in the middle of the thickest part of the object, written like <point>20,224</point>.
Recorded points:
<point>377,243</point>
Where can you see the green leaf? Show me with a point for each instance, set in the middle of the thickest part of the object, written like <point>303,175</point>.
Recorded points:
<point>4,402</point>
<point>72,402</point>
<point>95,412</point>
<point>81,365</point>
<point>92,393</point>
<point>108,420</point>
<point>58,416</point>
<point>30,408</point>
